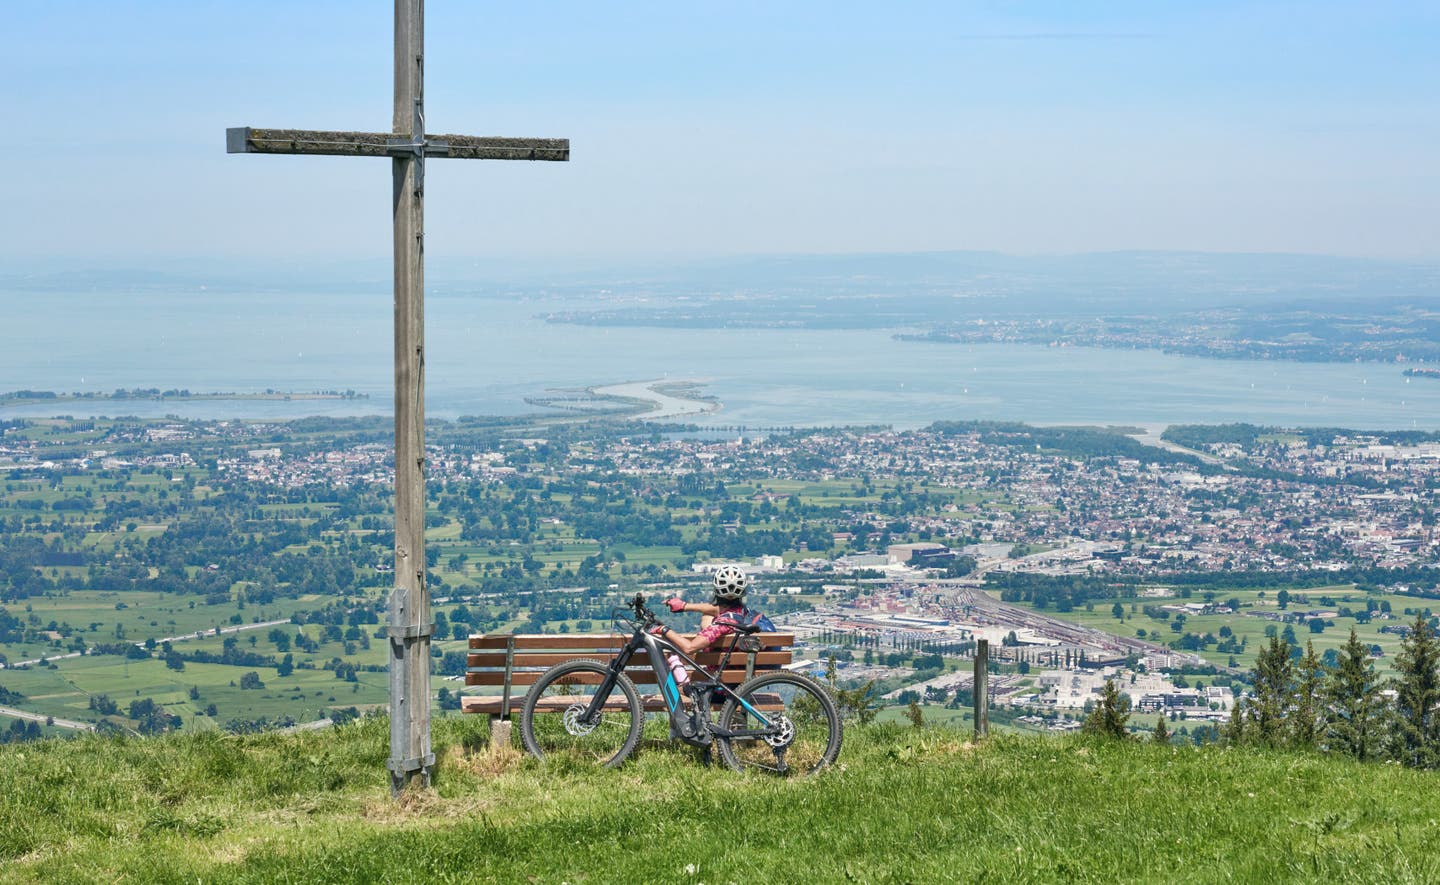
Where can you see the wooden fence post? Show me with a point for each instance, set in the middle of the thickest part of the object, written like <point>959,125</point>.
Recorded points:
<point>982,689</point>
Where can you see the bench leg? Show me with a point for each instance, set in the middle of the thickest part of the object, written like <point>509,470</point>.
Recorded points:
<point>499,733</point>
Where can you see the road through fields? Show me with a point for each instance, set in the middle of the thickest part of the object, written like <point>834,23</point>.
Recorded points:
<point>46,720</point>
<point>198,634</point>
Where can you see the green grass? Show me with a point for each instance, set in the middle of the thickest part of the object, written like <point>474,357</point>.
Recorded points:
<point>902,806</point>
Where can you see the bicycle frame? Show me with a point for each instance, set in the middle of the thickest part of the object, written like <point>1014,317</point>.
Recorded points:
<point>656,649</point>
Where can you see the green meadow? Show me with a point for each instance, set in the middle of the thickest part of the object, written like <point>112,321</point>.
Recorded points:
<point>901,805</point>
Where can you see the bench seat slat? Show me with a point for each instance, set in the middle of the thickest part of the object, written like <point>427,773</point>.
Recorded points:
<point>652,703</point>
<point>537,640</point>
<point>638,675</point>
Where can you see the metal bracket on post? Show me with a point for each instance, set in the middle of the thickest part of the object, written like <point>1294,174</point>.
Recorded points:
<point>409,631</point>
<point>401,767</point>
<point>413,148</point>
<point>237,139</point>
<point>403,633</point>
<point>400,627</point>
<point>407,147</point>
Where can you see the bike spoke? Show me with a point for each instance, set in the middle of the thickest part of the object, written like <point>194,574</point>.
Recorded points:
<point>804,731</point>
<point>556,723</point>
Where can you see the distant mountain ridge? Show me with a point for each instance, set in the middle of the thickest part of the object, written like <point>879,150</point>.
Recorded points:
<point>1098,278</point>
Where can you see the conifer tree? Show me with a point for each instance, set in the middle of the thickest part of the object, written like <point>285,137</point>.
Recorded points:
<point>1162,734</point>
<point>915,714</point>
<point>1305,722</point>
<point>1274,694</point>
<point>1353,702</point>
<point>860,703</point>
<point>1415,738</point>
<point>1235,729</point>
<point>1109,717</point>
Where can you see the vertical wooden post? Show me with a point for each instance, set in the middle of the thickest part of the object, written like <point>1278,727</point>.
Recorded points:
<point>982,689</point>
<point>407,146</point>
<point>410,712</point>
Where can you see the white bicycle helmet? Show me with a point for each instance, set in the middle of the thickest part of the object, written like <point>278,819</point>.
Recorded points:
<point>729,582</point>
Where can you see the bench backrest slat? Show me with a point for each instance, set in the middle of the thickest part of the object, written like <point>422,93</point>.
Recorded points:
<point>550,659</point>
<point>575,641</point>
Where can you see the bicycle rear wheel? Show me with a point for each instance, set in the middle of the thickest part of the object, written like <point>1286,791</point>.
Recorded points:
<point>552,724</point>
<point>806,726</point>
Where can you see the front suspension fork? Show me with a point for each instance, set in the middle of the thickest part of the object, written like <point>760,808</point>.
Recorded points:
<point>607,685</point>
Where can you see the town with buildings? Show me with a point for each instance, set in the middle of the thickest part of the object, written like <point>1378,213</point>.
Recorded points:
<point>1080,555</point>
<point>1353,501</point>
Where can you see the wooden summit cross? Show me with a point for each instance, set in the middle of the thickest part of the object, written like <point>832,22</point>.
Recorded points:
<point>407,146</point>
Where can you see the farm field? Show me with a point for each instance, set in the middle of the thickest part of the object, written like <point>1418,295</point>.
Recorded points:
<point>207,695</point>
<point>134,616</point>
<point>1258,615</point>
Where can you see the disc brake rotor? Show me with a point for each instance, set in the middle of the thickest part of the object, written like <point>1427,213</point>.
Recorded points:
<point>573,723</point>
<point>784,732</point>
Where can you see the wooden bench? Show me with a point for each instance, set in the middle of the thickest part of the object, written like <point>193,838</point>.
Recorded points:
<point>507,664</point>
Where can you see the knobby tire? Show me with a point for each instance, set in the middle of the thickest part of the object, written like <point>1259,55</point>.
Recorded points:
<point>546,732</point>
<point>811,711</point>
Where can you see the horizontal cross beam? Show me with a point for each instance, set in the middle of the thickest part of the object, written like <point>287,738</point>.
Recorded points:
<point>245,140</point>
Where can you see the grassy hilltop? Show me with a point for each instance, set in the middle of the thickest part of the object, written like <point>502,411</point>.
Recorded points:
<point>903,805</point>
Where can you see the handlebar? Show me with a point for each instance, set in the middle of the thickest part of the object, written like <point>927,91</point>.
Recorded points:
<point>646,616</point>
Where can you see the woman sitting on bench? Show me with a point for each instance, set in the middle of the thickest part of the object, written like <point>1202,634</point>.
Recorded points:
<point>719,618</point>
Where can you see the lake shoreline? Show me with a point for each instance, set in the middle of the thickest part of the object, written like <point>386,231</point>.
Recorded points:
<point>487,358</point>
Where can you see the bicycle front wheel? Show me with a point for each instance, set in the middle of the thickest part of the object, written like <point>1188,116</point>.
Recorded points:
<point>553,724</point>
<point>803,735</point>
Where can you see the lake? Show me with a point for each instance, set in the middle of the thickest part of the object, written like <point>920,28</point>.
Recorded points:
<point>486,353</point>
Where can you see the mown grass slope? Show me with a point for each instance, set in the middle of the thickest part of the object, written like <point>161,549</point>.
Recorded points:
<point>903,806</point>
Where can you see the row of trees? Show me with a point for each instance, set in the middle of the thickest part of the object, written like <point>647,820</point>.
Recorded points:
<point>1302,703</point>
<point>1065,592</point>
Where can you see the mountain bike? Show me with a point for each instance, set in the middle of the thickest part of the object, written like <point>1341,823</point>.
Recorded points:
<point>781,722</point>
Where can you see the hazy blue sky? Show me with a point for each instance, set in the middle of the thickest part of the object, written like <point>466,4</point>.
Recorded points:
<point>733,128</point>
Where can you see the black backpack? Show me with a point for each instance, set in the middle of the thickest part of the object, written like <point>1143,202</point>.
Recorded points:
<point>745,618</point>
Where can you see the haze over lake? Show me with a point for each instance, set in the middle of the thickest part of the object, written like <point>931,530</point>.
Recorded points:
<point>488,351</point>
